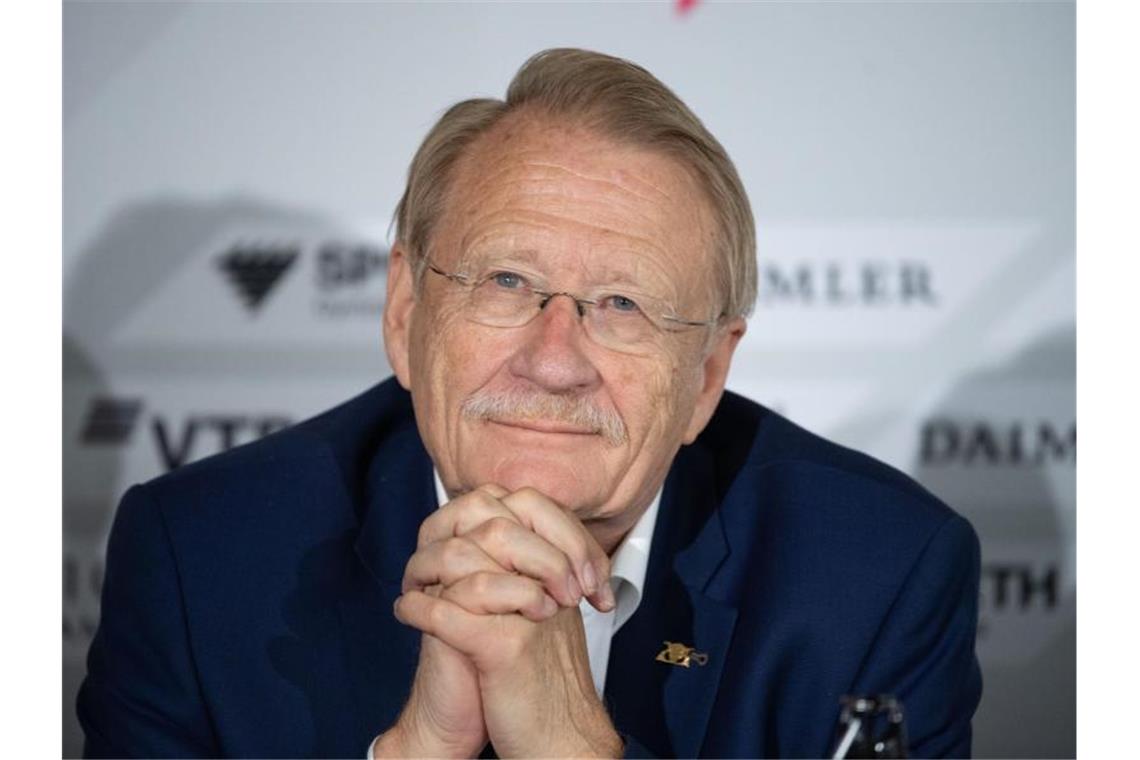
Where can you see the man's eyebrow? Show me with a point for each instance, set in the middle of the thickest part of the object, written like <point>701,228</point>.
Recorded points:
<point>481,252</point>
<point>613,278</point>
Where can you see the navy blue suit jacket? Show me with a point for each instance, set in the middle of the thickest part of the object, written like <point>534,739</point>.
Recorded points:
<point>247,601</point>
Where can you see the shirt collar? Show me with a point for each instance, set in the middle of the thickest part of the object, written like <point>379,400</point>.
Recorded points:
<point>630,561</point>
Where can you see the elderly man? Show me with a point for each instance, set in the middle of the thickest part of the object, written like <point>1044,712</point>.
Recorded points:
<point>554,532</point>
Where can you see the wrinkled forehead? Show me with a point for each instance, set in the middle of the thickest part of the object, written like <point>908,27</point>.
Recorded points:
<point>573,202</point>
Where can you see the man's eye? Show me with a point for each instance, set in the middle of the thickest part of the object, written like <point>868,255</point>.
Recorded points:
<point>508,280</point>
<point>621,304</point>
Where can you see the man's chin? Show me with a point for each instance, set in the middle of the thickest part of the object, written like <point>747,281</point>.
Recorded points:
<point>569,483</point>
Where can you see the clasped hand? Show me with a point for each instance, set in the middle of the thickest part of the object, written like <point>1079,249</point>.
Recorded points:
<point>494,586</point>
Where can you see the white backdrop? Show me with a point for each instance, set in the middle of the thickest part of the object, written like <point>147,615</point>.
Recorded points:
<point>230,172</point>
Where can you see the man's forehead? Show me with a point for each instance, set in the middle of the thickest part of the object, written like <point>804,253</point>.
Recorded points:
<point>532,180</point>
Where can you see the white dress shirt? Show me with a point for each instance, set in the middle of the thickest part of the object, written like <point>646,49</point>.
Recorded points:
<point>627,578</point>
<point>629,563</point>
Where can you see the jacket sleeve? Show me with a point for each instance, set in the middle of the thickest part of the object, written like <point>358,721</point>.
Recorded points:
<point>141,696</point>
<point>924,651</point>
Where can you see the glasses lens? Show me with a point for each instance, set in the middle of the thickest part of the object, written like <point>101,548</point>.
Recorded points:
<point>508,299</point>
<point>503,299</point>
<point>626,328</point>
<point>620,324</point>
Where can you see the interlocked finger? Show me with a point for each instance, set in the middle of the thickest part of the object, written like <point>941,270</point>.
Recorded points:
<point>445,562</point>
<point>520,550</point>
<point>444,619</point>
<point>500,594</point>
<point>463,514</point>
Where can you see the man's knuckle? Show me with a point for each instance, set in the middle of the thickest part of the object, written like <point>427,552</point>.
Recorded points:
<point>480,501</point>
<point>437,615</point>
<point>530,493</point>
<point>536,595</point>
<point>482,583</point>
<point>512,646</point>
<point>563,565</point>
<point>424,532</point>
<point>498,530</point>
<point>495,491</point>
<point>454,551</point>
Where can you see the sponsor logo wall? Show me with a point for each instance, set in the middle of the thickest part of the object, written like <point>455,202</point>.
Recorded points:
<point>916,291</point>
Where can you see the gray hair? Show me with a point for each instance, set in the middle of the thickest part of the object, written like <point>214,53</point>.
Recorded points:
<point>619,100</point>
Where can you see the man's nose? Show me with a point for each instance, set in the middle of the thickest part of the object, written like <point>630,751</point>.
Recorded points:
<point>552,355</point>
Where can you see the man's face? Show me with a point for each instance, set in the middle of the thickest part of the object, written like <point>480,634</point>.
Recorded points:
<point>572,212</point>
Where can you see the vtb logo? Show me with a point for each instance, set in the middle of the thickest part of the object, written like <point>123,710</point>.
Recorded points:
<point>254,270</point>
<point>178,445</point>
<point>110,421</point>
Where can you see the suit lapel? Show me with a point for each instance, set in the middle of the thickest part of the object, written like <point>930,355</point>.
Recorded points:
<point>400,494</point>
<point>690,692</point>
<point>381,652</point>
<point>666,706</point>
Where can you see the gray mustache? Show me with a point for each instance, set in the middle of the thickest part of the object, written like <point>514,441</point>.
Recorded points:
<point>572,410</point>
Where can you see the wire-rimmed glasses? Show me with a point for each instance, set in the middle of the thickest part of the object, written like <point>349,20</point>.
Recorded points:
<point>626,323</point>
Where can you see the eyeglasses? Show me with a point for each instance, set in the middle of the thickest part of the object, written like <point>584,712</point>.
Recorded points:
<point>629,324</point>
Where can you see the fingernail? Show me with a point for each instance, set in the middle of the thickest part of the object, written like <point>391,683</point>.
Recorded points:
<point>589,578</point>
<point>549,606</point>
<point>574,589</point>
<point>608,597</point>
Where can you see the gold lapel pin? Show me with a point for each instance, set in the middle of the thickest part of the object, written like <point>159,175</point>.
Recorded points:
<point>676,653</point>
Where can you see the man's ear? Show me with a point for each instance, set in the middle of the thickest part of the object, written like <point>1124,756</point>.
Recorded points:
<point>399,304</point>
<point>715,371</point>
